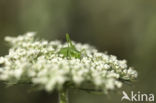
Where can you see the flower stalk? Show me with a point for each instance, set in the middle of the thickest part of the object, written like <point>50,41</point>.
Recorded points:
<point>63,96</point>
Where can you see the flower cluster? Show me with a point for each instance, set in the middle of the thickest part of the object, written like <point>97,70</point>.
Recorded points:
<point>39,62</point>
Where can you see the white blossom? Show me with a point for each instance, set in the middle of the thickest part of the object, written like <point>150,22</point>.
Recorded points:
<point>38,62</point>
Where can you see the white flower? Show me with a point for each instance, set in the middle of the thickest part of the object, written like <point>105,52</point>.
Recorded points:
<point>41,64</point>
<point>2,60</point>
<point>18,73</point>
<point>30,34</point>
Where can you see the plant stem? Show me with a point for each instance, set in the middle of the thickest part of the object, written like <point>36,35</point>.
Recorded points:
<point>63,96</point>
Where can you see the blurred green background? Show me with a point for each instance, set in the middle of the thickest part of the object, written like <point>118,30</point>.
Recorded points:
<point>126,28</point>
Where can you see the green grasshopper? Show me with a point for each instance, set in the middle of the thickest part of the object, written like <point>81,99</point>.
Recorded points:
<point>70,51</point>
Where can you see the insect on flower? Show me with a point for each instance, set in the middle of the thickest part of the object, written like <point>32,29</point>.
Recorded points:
<point>70,51</point>
<point>59,66</point>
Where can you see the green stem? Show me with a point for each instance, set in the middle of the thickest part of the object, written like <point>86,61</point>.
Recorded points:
<point>63,96</point>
